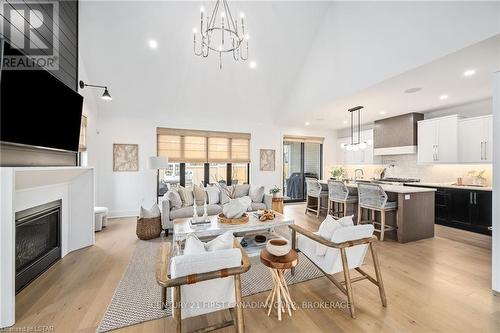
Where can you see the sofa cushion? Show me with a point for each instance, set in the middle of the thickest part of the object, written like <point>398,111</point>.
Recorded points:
<point>173,196</point>
<point>329,227</point>
<point>150,213</point>
<point>256,193</point>
<point>200,196</point>
<point>257,206</point>
<point>224,197</point>
<point>188,211</point>
<point>241,190</point>
<point>187,196</point>
<point>213,194</point>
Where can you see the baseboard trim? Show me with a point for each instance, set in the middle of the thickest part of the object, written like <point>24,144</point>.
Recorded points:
<point>123,213</point>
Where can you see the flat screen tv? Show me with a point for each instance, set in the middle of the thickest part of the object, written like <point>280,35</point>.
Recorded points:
<point>37,109</point>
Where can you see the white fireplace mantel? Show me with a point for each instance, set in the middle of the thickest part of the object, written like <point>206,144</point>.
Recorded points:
<point>26,187</point>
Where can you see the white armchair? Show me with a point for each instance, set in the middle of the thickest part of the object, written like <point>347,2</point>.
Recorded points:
<point>346,250</point>
<point>204,283</point>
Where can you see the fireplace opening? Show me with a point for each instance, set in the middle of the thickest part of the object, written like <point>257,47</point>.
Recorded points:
<point>38,241</point>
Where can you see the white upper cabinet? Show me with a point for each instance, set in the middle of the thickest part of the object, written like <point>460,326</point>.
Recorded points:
<point>438,140</point>
<point>475,139</point>
<point>364,156</point>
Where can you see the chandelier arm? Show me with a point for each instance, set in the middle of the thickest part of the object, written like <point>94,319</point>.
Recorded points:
<point>214,14</point>
<point>246,48</point>
<point>235,53</point>
<point>230,16</point>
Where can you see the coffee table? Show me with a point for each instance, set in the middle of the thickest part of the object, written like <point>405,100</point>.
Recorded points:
<point>183,227</point>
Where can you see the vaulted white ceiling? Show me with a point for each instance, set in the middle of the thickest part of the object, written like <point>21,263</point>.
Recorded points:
<point>310,56</point>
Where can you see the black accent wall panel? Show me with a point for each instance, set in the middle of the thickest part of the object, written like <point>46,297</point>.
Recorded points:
<point>47,31</point>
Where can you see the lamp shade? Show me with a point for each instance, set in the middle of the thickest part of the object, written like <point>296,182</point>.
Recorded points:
<point>158,162</point>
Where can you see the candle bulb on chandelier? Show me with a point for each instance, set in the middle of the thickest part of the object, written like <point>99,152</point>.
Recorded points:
<point>222,15</point>
<point>194,35</point>
<point>202,10</point>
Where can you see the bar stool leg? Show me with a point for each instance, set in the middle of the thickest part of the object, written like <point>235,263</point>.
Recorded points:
<point>345,208</point>
<point>360,212</point>
<point>328,209</point>
<point>382,225</point>
<point>307,202</point>
<point>319,206</point>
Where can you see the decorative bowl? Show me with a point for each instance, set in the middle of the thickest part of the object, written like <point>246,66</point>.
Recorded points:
<point>278,247</point>
<point>260,238</point>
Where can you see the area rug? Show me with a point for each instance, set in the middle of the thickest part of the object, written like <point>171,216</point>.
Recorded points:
<point>137,297</point>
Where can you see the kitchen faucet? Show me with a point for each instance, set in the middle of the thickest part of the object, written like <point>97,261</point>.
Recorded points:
<point>356,173</point>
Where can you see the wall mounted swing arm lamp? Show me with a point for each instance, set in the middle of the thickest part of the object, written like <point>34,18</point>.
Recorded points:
<point>106,96</point>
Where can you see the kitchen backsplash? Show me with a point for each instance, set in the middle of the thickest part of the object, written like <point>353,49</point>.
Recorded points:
<point>406,166</point>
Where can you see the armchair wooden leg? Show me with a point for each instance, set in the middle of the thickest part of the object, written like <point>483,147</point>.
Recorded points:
<point>177,309</point>
<point>294,247</point>
<point>240,326</point>
<point>347,278</point>
<point>378,274</point>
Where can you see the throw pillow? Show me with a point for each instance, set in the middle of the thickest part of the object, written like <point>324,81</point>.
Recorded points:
<point>186,194</point>
<point>173,196</point>
<point>221,242</point>
<point>224,198</point>
<point>200,196</point>
<point>150,213</point>
<point>212,194</point>
<point>241,190</point>
<point>256,193</point>
<point>326,230</point>
<point>193,245</point>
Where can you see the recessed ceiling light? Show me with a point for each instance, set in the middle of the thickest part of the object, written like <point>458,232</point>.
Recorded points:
<point>383,112</point>
<point>308,123</point>
<point>412,90</point>
<point>469,72</point>
<point>443,97</point>
<point>153,44</point>
<point>252,64</point>
<point>345,122</point>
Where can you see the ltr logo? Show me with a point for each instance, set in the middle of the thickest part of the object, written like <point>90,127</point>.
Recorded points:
<point>32,28</point>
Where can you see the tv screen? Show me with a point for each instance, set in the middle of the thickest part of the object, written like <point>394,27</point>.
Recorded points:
<point>39,110</point>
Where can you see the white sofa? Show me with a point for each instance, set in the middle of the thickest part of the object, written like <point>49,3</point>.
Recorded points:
<point>169,213</point>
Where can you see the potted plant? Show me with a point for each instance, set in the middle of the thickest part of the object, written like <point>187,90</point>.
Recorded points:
<point>337,173</point>
<point>274,191</point>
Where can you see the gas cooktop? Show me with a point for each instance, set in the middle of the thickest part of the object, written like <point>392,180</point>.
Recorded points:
<point>398,180</point>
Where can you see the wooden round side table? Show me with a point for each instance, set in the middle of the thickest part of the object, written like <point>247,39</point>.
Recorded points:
<point>278,204</point>
<point>279,294</point>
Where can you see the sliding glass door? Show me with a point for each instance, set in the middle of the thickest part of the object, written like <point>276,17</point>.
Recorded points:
<point>301,159</point>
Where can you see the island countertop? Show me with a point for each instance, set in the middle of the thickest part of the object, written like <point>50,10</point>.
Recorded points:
<point>395,188</point>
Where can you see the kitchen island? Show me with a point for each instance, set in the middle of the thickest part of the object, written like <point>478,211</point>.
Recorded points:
<point>415,215</point>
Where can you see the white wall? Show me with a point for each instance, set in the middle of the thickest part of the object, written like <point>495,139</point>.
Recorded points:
<point>124,192</point>
<point>496,185</point>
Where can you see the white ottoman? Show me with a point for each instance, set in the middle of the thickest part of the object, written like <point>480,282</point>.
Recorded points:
<point>100,217</point>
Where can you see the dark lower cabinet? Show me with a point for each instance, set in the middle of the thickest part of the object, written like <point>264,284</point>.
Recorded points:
<point>464,209</point>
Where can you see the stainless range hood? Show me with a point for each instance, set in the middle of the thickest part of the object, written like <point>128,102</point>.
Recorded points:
<point>396,135</point>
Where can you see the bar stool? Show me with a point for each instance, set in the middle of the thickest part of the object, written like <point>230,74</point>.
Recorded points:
<point>374,198</point>
<point>338,193</point>
<point>315,190</point>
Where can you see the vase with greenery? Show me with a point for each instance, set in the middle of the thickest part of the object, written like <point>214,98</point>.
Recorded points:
<point>478,177</point>
<point>338,173</point>
<point>274,191</point>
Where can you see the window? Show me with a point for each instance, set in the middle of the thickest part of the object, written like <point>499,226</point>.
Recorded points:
<point>203,157</point>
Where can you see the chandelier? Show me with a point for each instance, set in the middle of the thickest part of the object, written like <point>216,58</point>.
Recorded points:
<point>356,144</point>
<point>224,37</point>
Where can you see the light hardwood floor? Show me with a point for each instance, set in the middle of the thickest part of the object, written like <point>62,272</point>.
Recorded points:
<point>435,285</point>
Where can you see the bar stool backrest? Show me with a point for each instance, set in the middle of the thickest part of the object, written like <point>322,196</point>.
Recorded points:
<point>372,195</point>
<point>337,190</point>
<point>313,187</point>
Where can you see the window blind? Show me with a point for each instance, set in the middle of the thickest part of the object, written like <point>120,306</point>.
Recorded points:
<point>195,146</point>
<point>82,145</point>
<point>305,139</point>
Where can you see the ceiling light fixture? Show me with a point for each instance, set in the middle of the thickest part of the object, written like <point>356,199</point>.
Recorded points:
<point>469,72</point>
<point>443,97</point>
<point>153,44</point>
<point>252,64</point>
<point>224,37</point>
<point>355,132</point>
<point>383,112</point>
<point>106,96</point>
<point>308,123</point>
